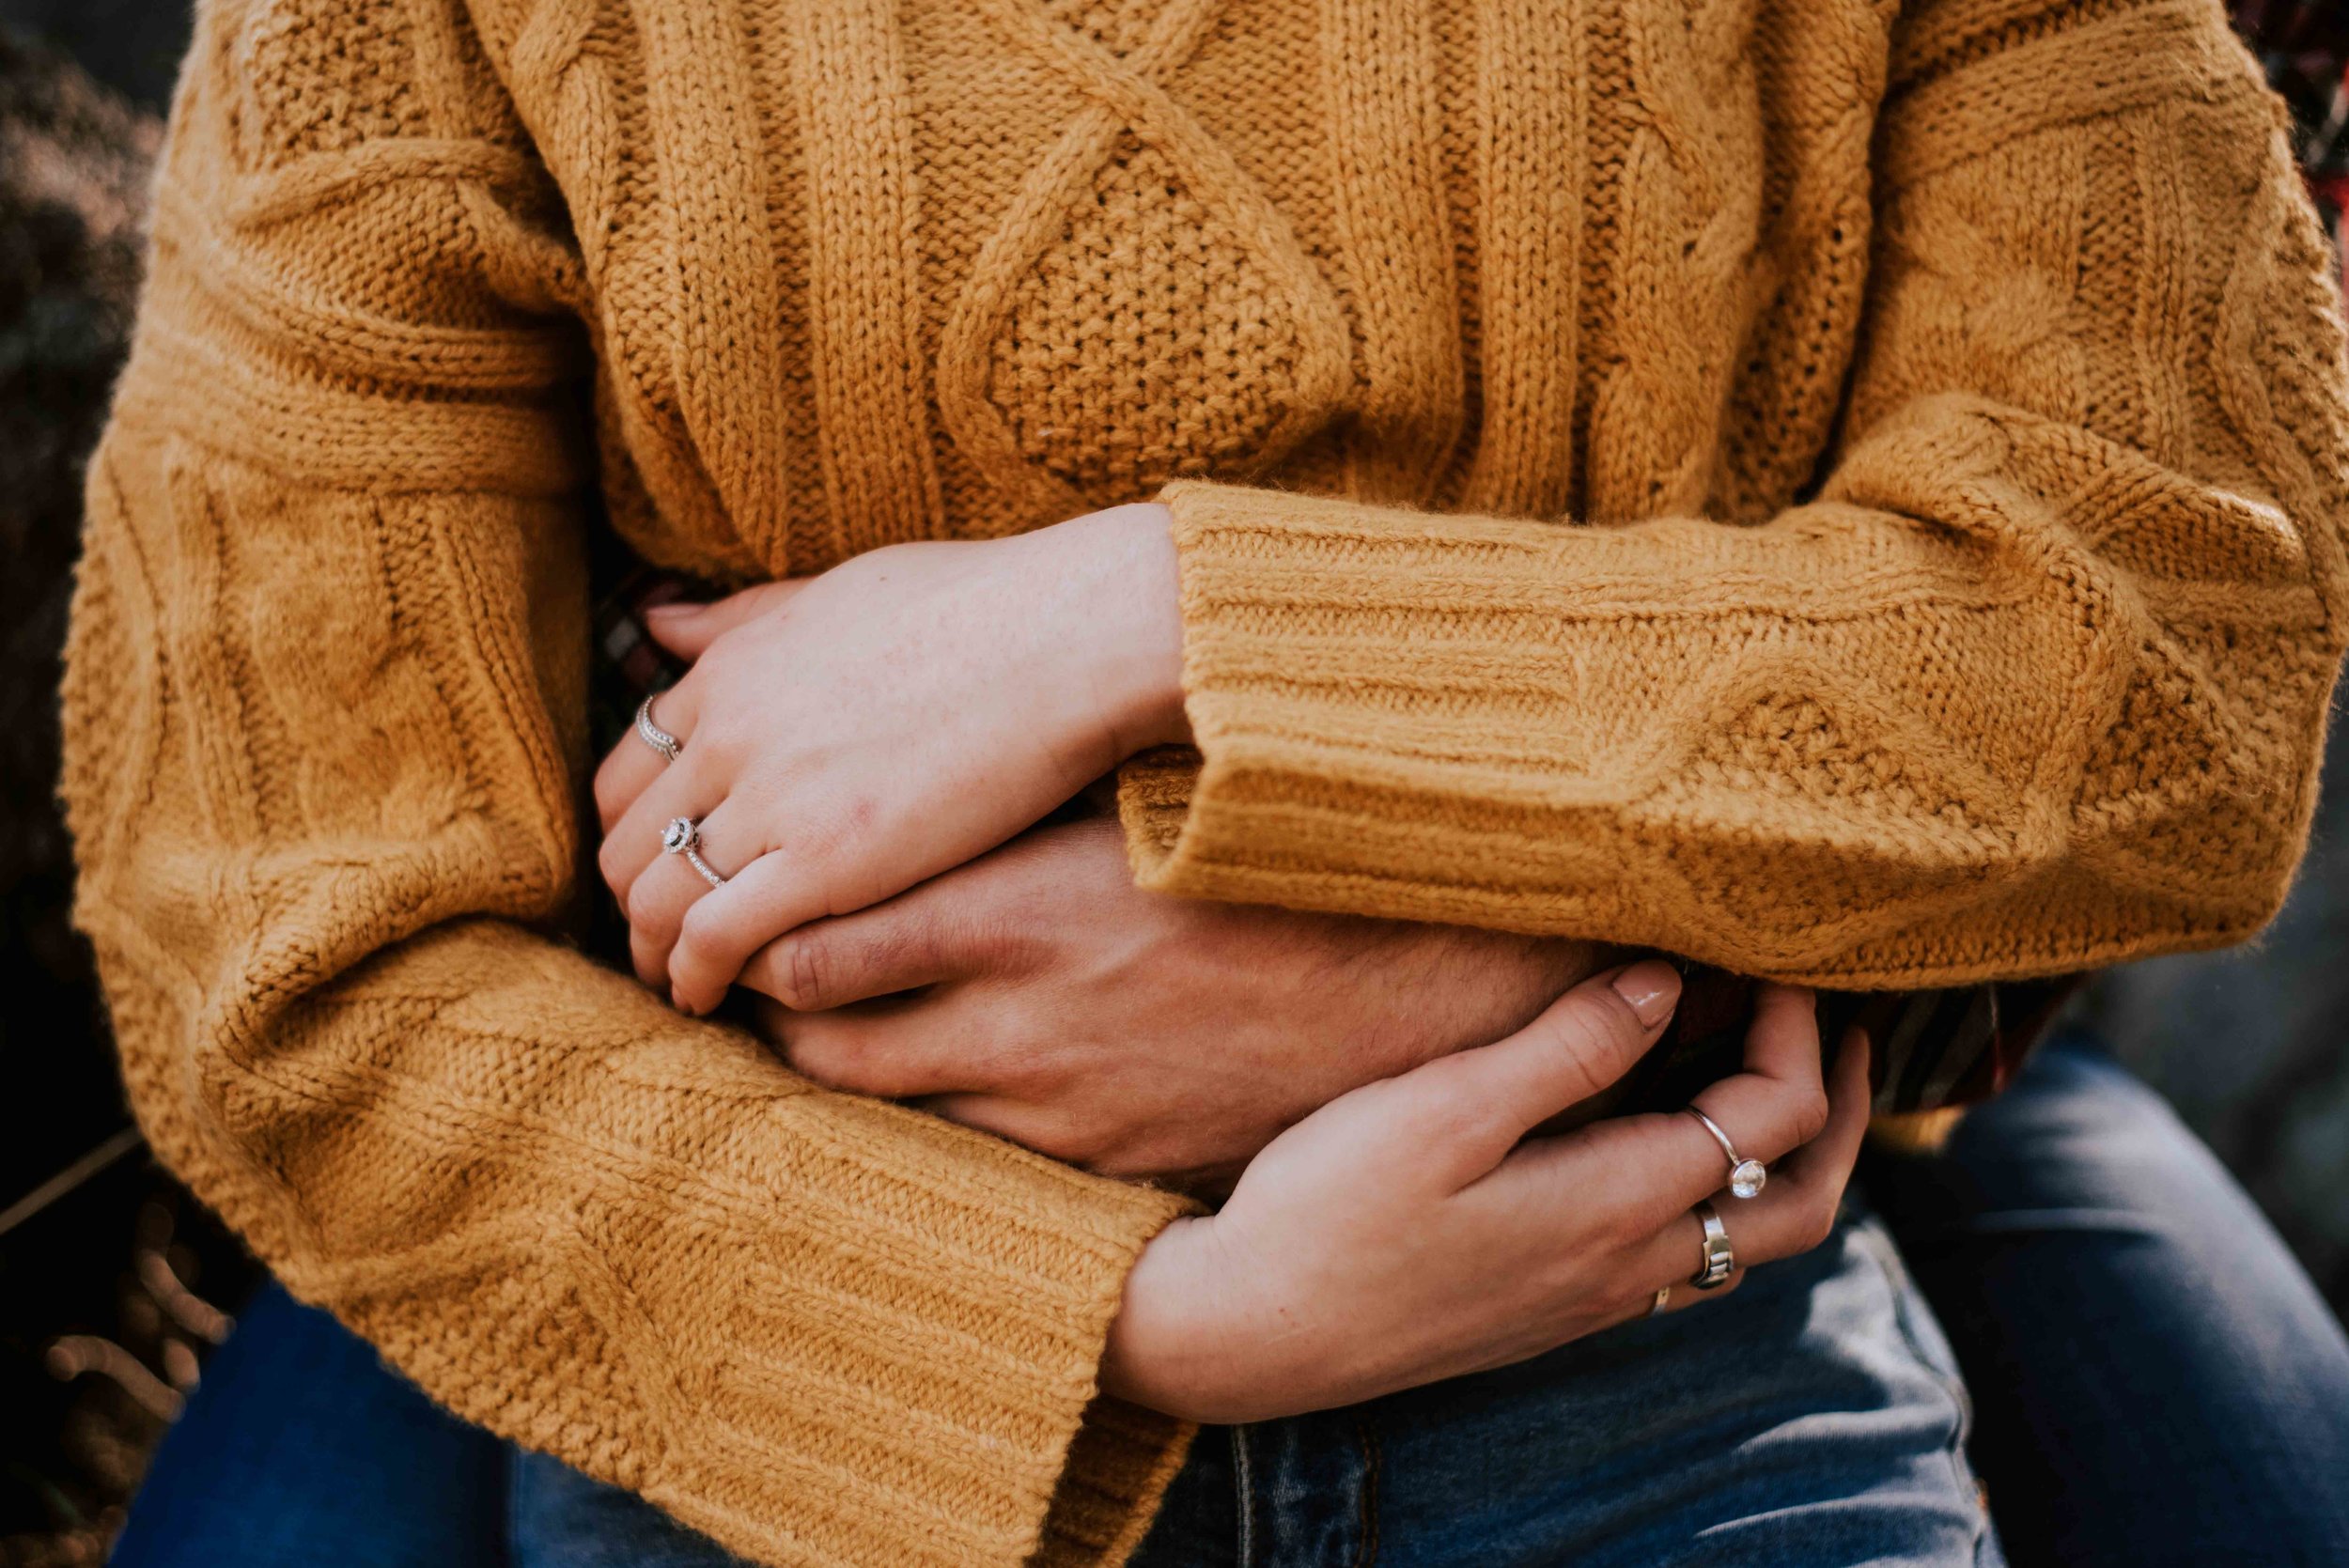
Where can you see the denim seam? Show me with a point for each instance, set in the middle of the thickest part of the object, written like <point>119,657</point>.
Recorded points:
<point>1366,1434</point>
<point>1904,1297</point>
<point>1244,1495</point>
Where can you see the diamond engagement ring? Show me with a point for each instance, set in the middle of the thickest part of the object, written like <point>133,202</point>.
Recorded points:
<point>653,735</point>
<point>683,836</point>
<point>1718,1262</point>
<point>1747,1177</point>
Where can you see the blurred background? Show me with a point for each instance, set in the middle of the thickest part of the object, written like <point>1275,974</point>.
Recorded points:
<point>113,1283</point>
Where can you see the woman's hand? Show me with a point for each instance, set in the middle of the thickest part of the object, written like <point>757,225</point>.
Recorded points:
<point>1131,1033</point>
<point>1409,1231</point>
<point>847,736</point>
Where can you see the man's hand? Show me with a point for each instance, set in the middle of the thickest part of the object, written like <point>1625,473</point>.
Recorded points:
<point>1059,1006</point>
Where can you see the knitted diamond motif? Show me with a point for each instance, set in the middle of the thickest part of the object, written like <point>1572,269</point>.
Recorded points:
<point>1143,312</point>
<point>1144,345</point>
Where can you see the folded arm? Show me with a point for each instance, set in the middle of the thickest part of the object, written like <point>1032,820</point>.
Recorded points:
<point>2036,683</point>
<point>324,721</point>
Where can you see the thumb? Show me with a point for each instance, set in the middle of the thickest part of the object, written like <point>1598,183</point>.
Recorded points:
<point>687,629</point>
<point>1485,1101</point>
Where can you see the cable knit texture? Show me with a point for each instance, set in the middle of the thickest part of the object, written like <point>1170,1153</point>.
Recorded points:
<point>1839,489</point>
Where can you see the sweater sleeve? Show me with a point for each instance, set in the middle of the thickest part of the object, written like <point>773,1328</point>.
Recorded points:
<point>2036,682</point>
<point>324,721</point>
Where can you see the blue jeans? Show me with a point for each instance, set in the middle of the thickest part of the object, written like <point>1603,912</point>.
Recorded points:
<point>1813,1418</point>
<point>2156,1381</point>
<point>2136,1410</point>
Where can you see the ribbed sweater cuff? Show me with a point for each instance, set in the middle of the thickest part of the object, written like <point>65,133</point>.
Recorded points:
<point>1117,1472</point>
<point>928,1394</point>
<point>1349,672</point>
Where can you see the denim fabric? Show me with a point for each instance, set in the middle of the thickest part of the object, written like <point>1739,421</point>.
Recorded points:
<point>1813,1419</point>
<point>2157,1382</point>
<point>300,1451</point>
<point>2157,1396</point>
<point>558,1519</point>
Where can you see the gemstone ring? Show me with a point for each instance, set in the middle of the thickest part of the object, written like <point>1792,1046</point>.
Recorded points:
<point>683,836</point>
<point>1747,1177</point>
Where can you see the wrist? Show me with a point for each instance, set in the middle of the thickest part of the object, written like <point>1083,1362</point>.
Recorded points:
<point>1158,1352</point>
<point>1134,612</point>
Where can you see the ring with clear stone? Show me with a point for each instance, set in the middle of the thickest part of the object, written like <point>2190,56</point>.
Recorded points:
<point>1747,1177</point>
<point>683,836</point>
<point>653,735</point>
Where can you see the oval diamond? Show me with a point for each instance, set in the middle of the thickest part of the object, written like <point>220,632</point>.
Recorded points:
<point>1748,1177</point>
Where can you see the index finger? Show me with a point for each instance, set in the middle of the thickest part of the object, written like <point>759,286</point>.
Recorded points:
<point>1779,1103</point>
<point>633,764</point>
<point>1486,1099</point>
<point>1655,1165</point>
<point>1829,1156</point>
<point>1798,1212</point>
<point>687,629</point>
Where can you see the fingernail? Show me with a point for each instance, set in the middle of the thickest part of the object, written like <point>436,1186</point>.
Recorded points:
<point>1651,986</point>
<point>671,612</point>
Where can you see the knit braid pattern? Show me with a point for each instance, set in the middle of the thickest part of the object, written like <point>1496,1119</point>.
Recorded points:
<point>1841,490</point>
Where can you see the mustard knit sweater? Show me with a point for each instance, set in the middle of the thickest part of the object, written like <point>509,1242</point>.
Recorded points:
<point>1841,490</point>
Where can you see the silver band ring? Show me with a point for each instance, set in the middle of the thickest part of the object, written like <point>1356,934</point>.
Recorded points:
<point>1747,1177</point>
<point>1662,1296</point>
<point>1718,1260</point>
<point>683,836</point>
<point>653,735</point>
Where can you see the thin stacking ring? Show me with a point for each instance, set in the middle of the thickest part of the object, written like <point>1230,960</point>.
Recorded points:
<point>683,836</point>
<point>653,735</point>
<point>1719,1261</point>
<point>1747,1177</point>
